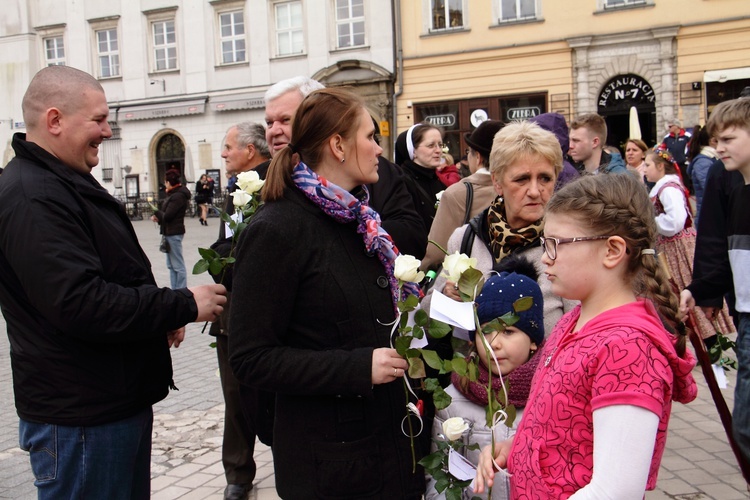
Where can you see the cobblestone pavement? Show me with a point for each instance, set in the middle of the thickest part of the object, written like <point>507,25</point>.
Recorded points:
<point>186,459</point>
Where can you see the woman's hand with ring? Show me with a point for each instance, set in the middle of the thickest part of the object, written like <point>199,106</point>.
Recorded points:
<point>387,365</point>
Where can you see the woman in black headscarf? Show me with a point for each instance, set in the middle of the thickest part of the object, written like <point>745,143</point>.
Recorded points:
<point>418,151</point>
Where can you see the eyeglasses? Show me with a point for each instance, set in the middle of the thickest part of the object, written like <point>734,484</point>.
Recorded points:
<point>550,244</point>
<point>434,145</point>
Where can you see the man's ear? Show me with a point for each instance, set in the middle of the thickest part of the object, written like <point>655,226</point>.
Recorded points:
<point>617,250</point>
<point>53,121</point>
<point>251,151</point>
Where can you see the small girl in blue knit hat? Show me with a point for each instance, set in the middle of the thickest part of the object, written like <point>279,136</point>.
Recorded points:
<point>514,350</point>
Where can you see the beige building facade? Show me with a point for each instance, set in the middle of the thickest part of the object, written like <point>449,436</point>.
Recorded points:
<point>463,61</point>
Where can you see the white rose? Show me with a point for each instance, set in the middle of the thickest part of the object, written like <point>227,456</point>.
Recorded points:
<point>439,195</point>
<point>454,427</point>
<point>249,182</point>
<point>456,263</point>
<point>240,198</point>
<point>406,268</point>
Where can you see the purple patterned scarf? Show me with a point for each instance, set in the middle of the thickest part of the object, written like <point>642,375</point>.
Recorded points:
<point>344,207</point>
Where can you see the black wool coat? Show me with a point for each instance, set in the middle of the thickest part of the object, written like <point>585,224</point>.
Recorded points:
<point>309,307</point>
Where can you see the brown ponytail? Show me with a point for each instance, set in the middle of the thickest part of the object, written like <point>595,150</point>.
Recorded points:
<point>279,175</point>
<point>321,115</point>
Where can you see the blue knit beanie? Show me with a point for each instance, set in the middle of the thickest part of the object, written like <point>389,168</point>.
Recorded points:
<point>497,298</point>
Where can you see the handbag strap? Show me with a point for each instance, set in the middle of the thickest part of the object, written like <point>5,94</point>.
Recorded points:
<point>468,240</point>
<point>469,201</point>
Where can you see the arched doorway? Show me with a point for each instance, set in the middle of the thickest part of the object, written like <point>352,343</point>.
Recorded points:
<point>614,102</point>
<point>170,153</point>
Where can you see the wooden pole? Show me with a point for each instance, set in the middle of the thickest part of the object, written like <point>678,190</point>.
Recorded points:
<point>708,373</point>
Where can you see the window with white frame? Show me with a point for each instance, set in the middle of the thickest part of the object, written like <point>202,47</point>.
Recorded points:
<point>232,36</point>
<point>613,4</point>
<point>350,23</point>
<point>54,51</point>
<point>108,52</point>
<point>517,10</point>
<point>289,35</point>
<point>165,45</point>
<point>446,14</point>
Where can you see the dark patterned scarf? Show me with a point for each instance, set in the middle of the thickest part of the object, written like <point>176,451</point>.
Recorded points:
<point>344,207</point>
<point>519,384</point>
<point>505,240</point>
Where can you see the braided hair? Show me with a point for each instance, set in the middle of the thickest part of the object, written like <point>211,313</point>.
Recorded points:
<point>618,205</point>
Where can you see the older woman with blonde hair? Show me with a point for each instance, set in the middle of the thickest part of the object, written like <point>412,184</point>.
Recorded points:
<point>524,164</point>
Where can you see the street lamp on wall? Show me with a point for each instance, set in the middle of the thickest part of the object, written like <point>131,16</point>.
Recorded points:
<point>163,82</point>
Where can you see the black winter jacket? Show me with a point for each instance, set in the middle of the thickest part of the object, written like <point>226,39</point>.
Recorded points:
<point>423,184</point>
<point>86,322</point>
<point>391,199</point>
<point>172,214</point>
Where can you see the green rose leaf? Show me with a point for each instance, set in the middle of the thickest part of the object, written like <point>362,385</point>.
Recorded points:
<point>473,370</point>
<point>496,325</point>
<point>215,267</point>
<point>432,359</point>
<point>200,267</point>
<point>441,398</point>
<point>418,332</point>
<point>509,319</point>
<point>459,366</point>
<point>447,367</point>
<point>416,368</point>
<point>431,384</point>
<point>404,319</point>
<point>421,318</point>
<point>523,304</point>
<point>511,411</point>
<point>453,493</point>
<point>471,283</point>
<point>411,302</point>
<point>441,485</point>
<point>438,329</point>
<point>432,461</point>
<point>226,217</point>
<point>208,253</point>
<point>402,344</point>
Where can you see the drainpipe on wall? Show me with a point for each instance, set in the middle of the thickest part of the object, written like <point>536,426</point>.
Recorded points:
<point>398,57</point>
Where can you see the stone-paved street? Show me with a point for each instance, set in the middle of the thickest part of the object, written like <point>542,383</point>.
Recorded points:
<point>186,459</point>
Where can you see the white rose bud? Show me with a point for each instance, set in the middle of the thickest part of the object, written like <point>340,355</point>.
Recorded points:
<point>406,268</point>
<point>454,428</point>
<point>240,198</point>
<point>456,263</point>
<point>439,195</point>
<point>249,182</point>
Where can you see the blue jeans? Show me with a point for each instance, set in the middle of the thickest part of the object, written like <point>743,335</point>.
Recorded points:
<point>741,412</point>
<point>176,263</point>
<point>110,461</point>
